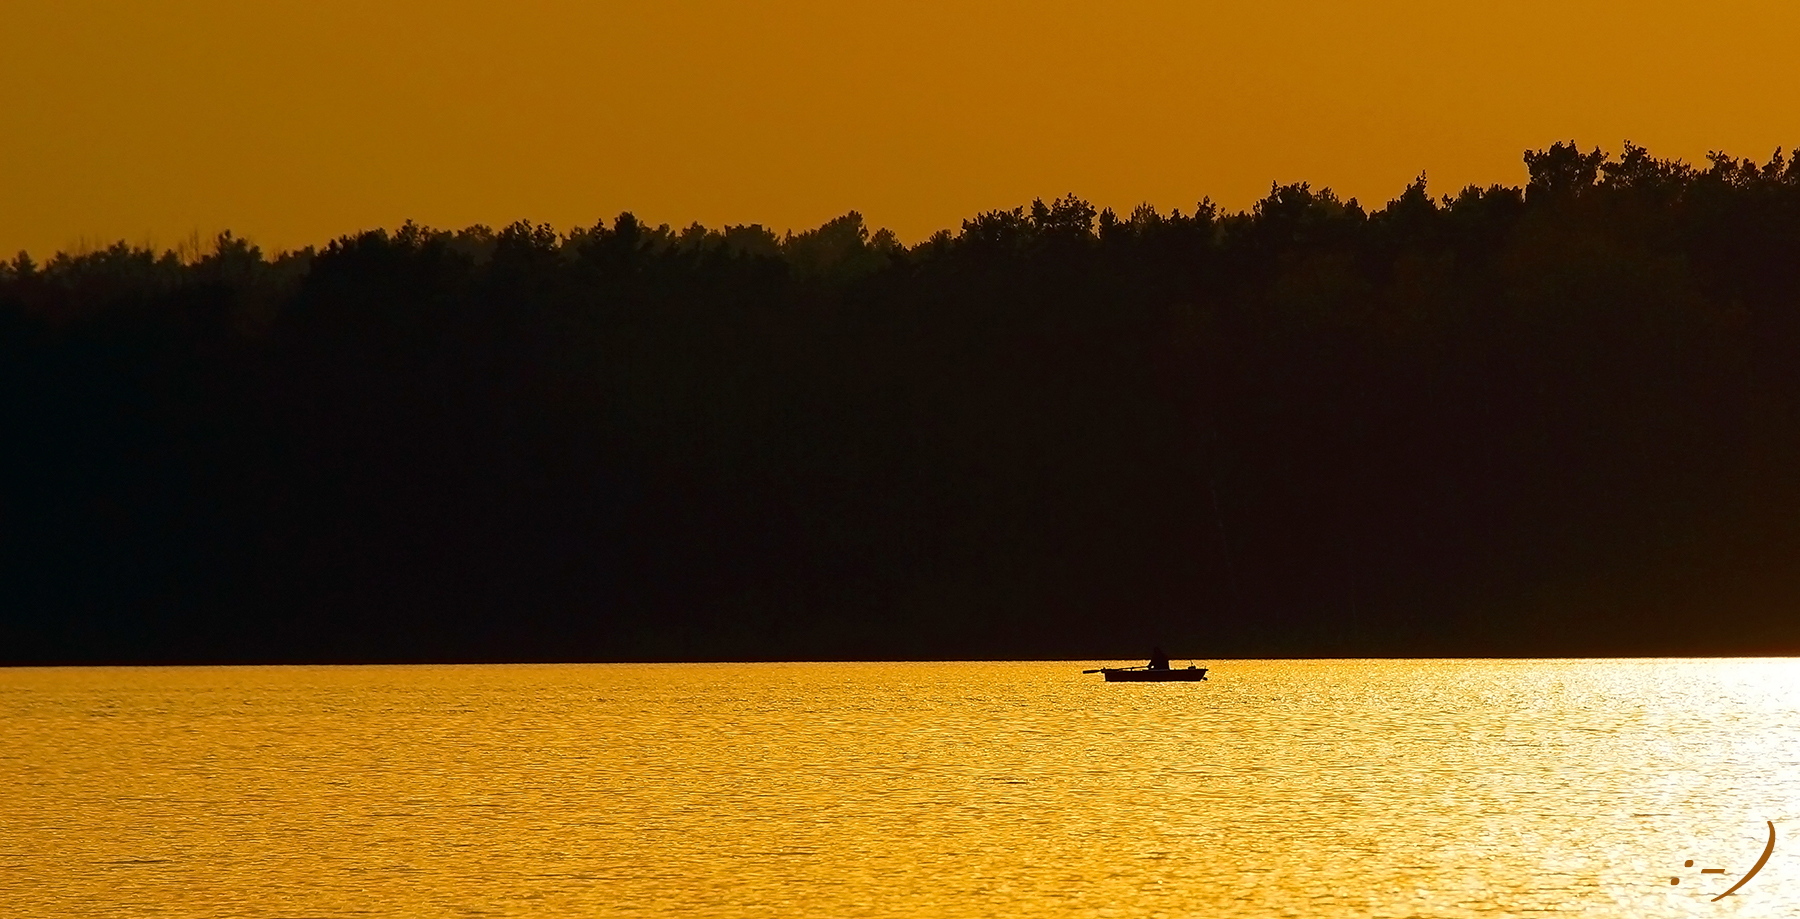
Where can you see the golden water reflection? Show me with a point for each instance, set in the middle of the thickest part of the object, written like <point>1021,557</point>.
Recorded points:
<point>1278,788</point>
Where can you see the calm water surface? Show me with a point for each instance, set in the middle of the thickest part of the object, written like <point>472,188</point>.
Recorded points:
<point>1279,788</point>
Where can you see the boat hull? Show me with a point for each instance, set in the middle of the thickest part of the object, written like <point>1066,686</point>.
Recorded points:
<point>1189,675</point>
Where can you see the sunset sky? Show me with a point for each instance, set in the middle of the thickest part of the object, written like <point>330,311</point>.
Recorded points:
<point>295,122</point>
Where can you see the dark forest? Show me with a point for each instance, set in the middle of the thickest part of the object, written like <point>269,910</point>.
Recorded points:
<point>1557,420</point>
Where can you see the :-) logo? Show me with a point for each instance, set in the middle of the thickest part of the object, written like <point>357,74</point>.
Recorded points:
<point>1767,851</point>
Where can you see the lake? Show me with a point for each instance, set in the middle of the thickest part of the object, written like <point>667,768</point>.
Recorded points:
<point>1277,788</point>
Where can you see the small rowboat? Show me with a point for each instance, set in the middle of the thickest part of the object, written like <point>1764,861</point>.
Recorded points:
<point>1191,674</point>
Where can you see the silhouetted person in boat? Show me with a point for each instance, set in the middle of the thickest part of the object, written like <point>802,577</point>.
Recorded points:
<point>1159,660</point>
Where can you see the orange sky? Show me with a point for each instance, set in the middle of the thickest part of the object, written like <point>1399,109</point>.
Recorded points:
<point>294,122</point>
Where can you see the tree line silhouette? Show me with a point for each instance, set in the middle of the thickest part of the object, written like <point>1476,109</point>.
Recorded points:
<point>1562,419</point>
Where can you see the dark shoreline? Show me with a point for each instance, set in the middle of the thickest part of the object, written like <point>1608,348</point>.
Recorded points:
<point>1558,420</point>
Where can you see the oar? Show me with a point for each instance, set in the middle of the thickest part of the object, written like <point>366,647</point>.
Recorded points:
<point>1094,671</point>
